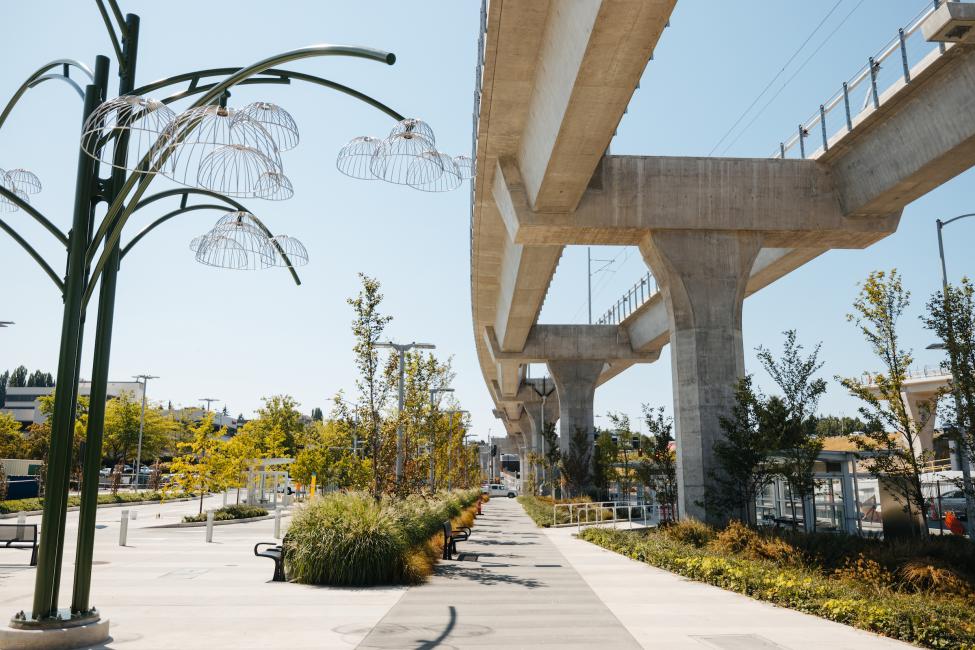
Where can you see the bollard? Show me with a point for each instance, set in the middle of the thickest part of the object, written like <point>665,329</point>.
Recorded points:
<point>133,514</point>
<point>286,499</point>
<point>277,523</point>
<point>123,530</point>
<point>209,526</point>
<point>225,498</point>
<point>21,522</point>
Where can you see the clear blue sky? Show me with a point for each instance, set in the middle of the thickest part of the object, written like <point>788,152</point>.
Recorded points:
<point>241,335</point>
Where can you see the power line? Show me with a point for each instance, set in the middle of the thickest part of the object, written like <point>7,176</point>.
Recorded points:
<point>776,77</point>
<point>794,74</point>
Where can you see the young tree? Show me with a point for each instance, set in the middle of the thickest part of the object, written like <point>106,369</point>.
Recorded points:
<point>800,442</point>
<point>894,440</point>
<point>368,327</point>
<point>552,454</point>
<point>577,464</point>
<point>658,469</point>
<point>278,424</point>
<point>121,441</point>
<point>627,442</point>
<point>951,316</point>
<point>603,473</point>
<point>743,465</point>
<point>11,439</point>
<point>202,468</point>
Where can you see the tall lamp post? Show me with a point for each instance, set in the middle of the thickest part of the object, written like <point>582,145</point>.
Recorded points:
<point>209,401</point>
<point>138,139</point>
<point>402,349</point>
<point>964,451</point>
<point>142,423</point>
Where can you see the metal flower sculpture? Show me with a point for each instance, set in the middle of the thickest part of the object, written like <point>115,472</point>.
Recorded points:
<point>142,120</point>
<point>274,186</point>
<point>275,120</point>
<point>22,183</point>
<point>396,155</point>
<point>434,172</point>
<point>465,164</point>
<point>293,248</point>
<point>237,241</point>
<point>355,158</point>
<point>217,145</point>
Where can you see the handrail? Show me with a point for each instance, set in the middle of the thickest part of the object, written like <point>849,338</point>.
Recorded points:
<point>873,97</point>
<point>637,296</point>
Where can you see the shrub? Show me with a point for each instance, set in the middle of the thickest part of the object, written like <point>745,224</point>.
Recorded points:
<point>689,531</point>
<point>934,621</point>
<point>228,513</point>
<point>924,577</point>
<point>37,503</point>
<point>353,540</point>
<point>739,539</point>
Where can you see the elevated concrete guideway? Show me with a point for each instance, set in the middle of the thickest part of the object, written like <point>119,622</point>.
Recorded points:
<point>556,80</point>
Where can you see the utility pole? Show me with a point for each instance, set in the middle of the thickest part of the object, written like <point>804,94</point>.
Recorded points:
<point>402,349</point>
<point>142,423</point>
<point>209,401</point>
<point>589,261</point>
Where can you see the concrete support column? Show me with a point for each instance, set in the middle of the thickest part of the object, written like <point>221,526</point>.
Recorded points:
<point>921,410</point>
<point>575,382</point>
<point>702,276</point>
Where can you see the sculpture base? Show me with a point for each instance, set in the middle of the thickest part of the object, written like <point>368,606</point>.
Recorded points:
<point>56,633</point>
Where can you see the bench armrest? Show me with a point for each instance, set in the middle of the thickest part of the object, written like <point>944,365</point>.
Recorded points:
<point>269,544</point>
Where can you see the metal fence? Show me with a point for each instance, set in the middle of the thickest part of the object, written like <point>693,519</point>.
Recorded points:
<point>604,512</point>
<point>630,301</point>
<point>892,67</point>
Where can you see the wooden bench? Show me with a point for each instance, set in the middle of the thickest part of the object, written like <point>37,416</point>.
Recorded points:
<point>451,537</point>
<point>274,552</point>
<point>20,536</point>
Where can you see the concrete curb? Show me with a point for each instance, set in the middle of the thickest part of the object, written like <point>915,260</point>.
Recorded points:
<point>226,522</point>
<point>62,638</point>
<point>31,513</point>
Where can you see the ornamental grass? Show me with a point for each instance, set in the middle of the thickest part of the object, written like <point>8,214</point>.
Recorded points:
<point>351,539</point>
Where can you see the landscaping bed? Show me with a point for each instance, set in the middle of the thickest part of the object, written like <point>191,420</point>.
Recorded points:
<point>352,539</point>
<point>36,504</point>
<point>228,513</point>
<point>922,592</point>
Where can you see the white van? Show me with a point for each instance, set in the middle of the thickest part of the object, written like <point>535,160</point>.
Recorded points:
<point>498,490</point>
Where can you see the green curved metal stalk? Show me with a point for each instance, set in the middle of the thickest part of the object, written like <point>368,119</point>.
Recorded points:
<point>118,213</point>
<point>166,217</point>
<point>32,211</point>
<point>275,76</point>
<point>111,33</point>
<point>34,79</point>
<point>33,253</point>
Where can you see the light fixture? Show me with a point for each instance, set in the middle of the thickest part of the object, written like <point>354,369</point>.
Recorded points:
<point>236,170</point>
<point>294,249</point>
<point>274,186</point>
<point>355,158</point>
<point>423,174</point>
<point>396,154</point>
<point>275,120</point>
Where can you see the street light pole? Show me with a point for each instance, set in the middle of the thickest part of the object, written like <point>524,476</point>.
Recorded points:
<point>142,423</point>
<point>964,451</point>
<point>402,349</point>
<point>209,401</point>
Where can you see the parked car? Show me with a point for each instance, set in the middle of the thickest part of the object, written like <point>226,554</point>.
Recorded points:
<point>952,500</point>
<point>498,490</point>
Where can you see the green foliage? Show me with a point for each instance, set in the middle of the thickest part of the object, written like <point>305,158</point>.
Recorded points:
<point>743,457</point>
<point>932,619</point>
<point>329,454</point>
<point>18,377</point>
<point>37,503</point>
<point>352,539</point>
<point>576,465</point>
<point>658,467</point>
<point>122,417</point>
<point>228,513</point>
<point>894,435</point>
<point>11,439</point>
<point>839,425</point>
<point>689,531</point>
<point>603,472</point>
<point>203,466</point>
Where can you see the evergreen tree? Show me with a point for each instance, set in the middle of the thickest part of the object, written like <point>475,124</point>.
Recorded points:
<point>18,377</point>
<point>317,415</point>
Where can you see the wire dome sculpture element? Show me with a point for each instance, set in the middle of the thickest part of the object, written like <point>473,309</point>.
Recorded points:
<point>236,170</point>
<point>465,164</point>
<point>413,126</point>
<point>397,154</point>
<point>6,205</point>
<point>23,180</point>
<point>294,249</point>
<point>226,253</point>
<point>275,120</point>
<point>355,158</point>
<point>274,186</point>
<point>143,119</point>
<point>195,242</point>
<point>236,242</point>
<point>434,172</point>
<point>199,132</point>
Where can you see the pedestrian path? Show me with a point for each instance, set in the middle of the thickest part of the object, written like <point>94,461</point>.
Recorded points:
<point>519,592</point>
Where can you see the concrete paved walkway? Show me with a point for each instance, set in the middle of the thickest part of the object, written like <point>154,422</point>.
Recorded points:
<point>664,610</point>
<point>519,593</point>
<point>527,588</point>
